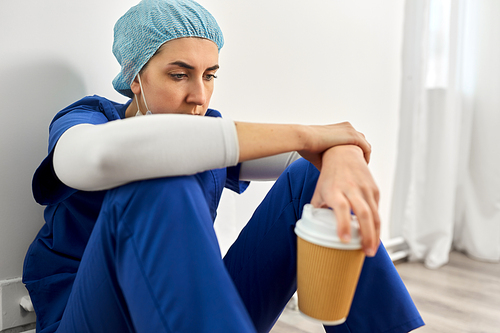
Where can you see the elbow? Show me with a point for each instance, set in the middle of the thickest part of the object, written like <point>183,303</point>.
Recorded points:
<point>82,170</point>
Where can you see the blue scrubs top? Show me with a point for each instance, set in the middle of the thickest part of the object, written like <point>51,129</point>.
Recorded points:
<point>54,256</point>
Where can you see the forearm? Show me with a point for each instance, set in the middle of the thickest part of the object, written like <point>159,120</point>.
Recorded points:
<point>258,140</point>
<point>262,140</point>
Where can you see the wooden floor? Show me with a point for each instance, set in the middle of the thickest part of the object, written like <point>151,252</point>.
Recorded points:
<point>461,297</point>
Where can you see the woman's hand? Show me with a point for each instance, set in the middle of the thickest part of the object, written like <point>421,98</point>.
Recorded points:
<point>345,183</point>
<point>323,137</point>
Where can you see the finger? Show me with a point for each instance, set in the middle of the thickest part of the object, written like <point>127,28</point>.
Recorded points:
<point>367,157</point>
<point>365,146</point>
<point>316,200</point>
<point>372,198</point>
<point>366,225</point>
<point>371,194</point>
<point>342,210</point>
<point>368,152</point>
<point>376,223</point>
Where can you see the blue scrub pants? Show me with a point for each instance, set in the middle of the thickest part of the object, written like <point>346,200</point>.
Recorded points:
<point>153,264</point>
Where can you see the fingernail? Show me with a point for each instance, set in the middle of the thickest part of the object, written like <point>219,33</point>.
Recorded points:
<point>346,238</point>
<point>370,252</point>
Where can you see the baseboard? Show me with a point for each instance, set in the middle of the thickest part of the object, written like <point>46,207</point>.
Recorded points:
<point>13,317</point>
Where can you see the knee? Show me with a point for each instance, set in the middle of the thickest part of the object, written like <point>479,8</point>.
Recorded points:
<point>303,173</point>
<point>158,188</point>
<point>301,167</point>
<point>149,203</point>
<point>296,185</point>
<point>158,193</point>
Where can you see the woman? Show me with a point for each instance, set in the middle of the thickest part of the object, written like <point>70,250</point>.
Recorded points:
<point>128,243</point>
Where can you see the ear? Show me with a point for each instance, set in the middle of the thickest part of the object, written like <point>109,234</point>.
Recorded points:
<point>135,87</point>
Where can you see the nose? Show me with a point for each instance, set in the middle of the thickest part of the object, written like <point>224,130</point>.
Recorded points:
<point>197,93</point>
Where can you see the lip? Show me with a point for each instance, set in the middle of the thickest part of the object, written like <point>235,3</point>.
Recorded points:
<point>194,111</point>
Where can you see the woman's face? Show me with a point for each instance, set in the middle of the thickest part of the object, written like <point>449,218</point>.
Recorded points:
<point>179,78</point>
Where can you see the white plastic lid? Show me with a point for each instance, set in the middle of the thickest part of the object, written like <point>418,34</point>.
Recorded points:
<point>319,226</point>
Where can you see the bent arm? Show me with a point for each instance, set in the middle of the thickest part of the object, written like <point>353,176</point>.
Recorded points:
<point>97,157</point>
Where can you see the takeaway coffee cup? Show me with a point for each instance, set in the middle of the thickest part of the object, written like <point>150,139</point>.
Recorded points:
<point>327,269</point>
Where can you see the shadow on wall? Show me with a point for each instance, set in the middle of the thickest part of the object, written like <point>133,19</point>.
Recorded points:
<point>31,94</point>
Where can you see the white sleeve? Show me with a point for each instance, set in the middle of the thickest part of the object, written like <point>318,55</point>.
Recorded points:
<point>97,157</point>
<point>267,168</point>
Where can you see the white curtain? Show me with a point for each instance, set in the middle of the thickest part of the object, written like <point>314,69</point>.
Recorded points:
<point>447,184</point>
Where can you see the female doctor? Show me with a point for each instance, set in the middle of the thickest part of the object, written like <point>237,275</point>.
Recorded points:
<point>132,189</point>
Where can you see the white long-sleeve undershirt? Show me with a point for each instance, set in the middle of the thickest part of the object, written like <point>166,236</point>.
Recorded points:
<point>98,157</point>
<point>267,168</point>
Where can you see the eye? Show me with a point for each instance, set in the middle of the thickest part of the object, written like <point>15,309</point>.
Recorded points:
<point>178,76</point>
<point>210,77</point>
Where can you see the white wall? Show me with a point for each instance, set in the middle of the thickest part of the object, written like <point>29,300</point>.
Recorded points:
<point>52,52</point>
<point>326,62</point>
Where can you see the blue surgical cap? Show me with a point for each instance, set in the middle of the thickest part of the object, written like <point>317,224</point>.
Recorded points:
<point>145,27</point>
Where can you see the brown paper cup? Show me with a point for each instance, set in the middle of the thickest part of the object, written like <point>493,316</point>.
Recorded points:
<point>326,281</point>
<point>327,269</point>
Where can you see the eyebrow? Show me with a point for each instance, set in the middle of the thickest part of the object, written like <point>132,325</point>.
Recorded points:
<point>188,66</point>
